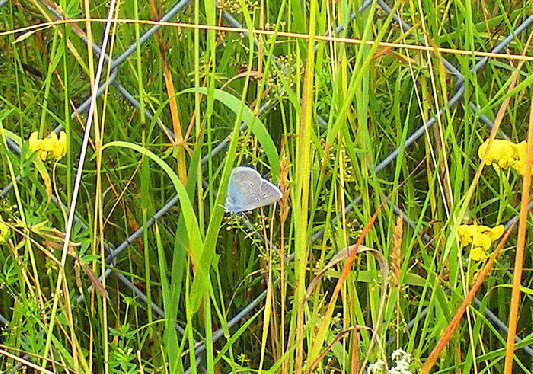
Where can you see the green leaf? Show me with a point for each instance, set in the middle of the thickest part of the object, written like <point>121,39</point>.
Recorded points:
<point>253,123</point>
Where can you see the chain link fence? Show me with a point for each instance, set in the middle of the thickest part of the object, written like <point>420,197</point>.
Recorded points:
<point>113,81</point>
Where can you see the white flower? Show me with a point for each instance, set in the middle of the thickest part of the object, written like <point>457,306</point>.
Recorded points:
<point>400,354</point>
<point>376,367</point>
<point>403,360</point>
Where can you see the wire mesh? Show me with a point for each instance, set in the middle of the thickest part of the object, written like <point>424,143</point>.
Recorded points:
<point>113,80</point>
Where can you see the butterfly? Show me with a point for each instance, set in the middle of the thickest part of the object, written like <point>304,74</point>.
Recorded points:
<point>247,190</point>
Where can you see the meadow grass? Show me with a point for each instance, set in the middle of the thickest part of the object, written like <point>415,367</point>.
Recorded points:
<point>320,115</point>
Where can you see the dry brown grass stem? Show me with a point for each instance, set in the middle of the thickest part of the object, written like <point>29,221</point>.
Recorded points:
<point>279,34</point>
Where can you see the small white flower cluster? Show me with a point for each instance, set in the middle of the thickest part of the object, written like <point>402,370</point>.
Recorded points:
<point>401,359</point>
<point>289,69</point>
<point>376,367</point>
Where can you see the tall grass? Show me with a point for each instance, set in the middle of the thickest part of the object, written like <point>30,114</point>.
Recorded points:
<point>321,114</point>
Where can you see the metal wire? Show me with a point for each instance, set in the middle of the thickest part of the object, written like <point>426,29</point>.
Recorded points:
<point>113,81</point>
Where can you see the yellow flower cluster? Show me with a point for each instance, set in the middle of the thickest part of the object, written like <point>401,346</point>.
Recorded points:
<point>4,232</point>
<point>481,238</point>
<point>505,154</point>
<point>51,148</point>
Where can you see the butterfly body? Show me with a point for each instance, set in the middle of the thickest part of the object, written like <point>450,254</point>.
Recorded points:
<point>247,190</point>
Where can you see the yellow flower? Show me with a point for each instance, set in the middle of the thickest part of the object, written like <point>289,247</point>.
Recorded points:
<point>481,238</point>
<point>520,165</point>
<point>51,148</point>
<point>502,152</point>
<point>34,142</point>
<point>4,232</point>
<point>478,254</point>
<point>495,233</point>
<point>61,149</point>
<point>466,233</point>
<point>506,154</point>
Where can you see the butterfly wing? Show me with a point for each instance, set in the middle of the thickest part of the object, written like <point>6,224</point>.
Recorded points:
<point>270,193</point>
<point>248,191</point>
<point>242,183</point>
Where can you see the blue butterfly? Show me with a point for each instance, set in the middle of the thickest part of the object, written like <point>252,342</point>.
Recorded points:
<point>247,190</point>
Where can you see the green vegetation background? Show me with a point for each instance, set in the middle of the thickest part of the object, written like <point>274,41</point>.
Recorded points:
<point>203,267</point>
